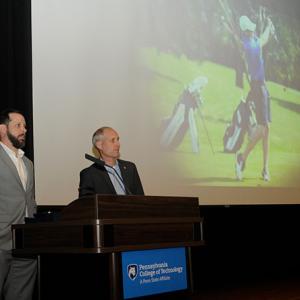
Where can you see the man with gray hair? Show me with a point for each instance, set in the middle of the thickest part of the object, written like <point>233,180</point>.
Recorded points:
<point>114,176</point>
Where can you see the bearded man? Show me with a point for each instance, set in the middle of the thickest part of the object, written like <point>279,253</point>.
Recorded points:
<point>17,274</point>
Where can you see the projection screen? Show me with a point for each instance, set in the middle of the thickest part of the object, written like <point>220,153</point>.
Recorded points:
<point>168,76</point>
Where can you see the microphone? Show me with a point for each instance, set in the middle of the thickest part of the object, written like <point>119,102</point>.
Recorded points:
<point>95,160</point>
<point>103,164</point>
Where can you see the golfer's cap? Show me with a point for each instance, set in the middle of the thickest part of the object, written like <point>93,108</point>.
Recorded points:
<point>247,24</point>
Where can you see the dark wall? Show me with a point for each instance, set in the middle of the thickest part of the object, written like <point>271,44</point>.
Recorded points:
<point>248,243</point>
<point>16,62</point>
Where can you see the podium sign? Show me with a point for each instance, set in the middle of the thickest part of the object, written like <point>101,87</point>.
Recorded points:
<point>150,272</point>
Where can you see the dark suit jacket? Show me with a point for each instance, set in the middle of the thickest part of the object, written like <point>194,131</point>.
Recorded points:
<point>95,180</point>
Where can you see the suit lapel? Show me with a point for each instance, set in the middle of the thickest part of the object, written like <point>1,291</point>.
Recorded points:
<point>124,172</point>
<point>107,180</point>
<point>7,160</point>
<point>29,172</point>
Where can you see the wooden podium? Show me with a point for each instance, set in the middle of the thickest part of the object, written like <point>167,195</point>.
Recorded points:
<point>108,225</point>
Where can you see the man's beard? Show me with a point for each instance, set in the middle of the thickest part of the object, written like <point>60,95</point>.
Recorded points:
<point>15,142</point>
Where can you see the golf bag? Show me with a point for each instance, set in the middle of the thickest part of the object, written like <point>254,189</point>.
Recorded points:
<point>175,127</point>
<point>182,119</point>
<point>240,124</point>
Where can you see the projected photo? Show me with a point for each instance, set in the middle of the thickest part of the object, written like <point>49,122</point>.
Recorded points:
<point>225,89</point>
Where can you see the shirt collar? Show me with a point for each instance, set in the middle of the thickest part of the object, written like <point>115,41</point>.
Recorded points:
<point>116,165</point>
<point>10,152</point>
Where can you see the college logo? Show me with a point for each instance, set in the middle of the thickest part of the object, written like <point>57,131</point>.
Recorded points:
<point>132,271</point>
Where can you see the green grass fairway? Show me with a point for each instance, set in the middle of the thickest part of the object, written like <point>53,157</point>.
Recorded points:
<point>171,73</point>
